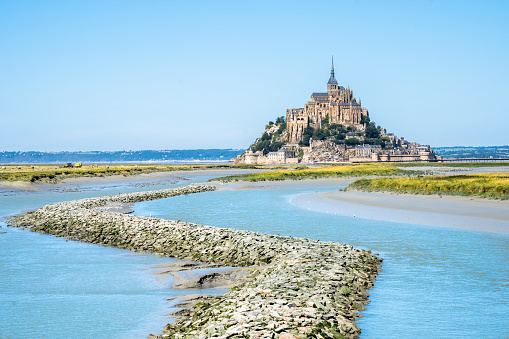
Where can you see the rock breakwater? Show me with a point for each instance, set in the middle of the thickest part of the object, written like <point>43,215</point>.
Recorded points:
<point>301,288</point>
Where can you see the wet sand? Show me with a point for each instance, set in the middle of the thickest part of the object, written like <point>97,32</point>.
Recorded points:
<point>451,211</point>
<point>285,184</point>
<point>98,183</point>
<point>448,211</point>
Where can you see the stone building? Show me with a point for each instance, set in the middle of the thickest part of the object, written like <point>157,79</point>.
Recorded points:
<point>338,103</point>
<point>336,106</point>
<point>285,155</point>
<point>411,153</point>
<point>367,150</point>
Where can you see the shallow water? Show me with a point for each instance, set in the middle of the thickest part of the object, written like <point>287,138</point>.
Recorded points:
<point>437,282</point>
<point>53,288</point>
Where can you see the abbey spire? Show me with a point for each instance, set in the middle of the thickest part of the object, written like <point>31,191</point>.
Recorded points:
<point>332,79</point>
<point>337,105</point>
<point>332,85</point>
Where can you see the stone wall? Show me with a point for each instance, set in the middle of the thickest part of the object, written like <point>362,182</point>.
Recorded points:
<point>301,288</point>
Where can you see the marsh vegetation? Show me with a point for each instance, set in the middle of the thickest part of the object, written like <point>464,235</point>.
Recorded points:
<point>485,185</point>
<point>336,171</point>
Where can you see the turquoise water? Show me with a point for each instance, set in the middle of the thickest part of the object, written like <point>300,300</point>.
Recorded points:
<point>437,282</point>
<point>53,288</point>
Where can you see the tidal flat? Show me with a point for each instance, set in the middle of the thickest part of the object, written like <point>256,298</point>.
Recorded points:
<point>434,281</point>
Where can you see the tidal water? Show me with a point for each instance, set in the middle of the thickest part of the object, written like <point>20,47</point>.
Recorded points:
<point>437,282</point>
<point>53,288</point>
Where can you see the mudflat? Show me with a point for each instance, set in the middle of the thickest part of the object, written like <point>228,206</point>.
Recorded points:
<point>451,211</point>
<point>98,183</point>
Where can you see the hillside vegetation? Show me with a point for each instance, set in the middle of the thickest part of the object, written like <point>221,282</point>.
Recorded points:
<point>339,134</point>
<point>273,138</point>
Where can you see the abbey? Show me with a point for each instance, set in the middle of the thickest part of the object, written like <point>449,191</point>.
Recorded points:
<point>338,104</point>
<point>331,127</point>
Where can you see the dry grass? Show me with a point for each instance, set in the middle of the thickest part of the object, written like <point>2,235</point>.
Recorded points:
<point>455,164</point>
<point>52,173</point>
<point>487,185</point>
<point>323,172</point>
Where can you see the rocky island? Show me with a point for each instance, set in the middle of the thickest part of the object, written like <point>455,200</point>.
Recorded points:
<point>331,127</point>
<point>297,288</point>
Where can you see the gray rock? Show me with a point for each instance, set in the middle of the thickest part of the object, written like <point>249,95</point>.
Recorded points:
<point>297,285</point>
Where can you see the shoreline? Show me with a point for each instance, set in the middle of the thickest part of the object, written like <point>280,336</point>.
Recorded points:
<point>98,183</point>
<point>455,211</point>
<point>447,211</point>
<point>299,286</point>
<point>282,184</point>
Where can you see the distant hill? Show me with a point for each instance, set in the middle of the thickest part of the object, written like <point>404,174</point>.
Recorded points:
<point>458,152</point>
<point>191,155</point>
<point>202,155</point>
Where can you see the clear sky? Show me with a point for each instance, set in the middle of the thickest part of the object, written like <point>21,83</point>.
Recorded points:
<point>134,75</point>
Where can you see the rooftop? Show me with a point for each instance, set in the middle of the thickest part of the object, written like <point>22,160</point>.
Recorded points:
<point>332,80</point>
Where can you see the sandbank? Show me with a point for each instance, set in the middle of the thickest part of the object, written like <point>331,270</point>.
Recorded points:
<point>100,182</point>
<point>284,184</point>
<point>450,211</point>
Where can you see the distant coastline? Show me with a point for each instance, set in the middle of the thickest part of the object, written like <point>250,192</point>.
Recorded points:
<point>102,157</point>
<point>205,156</point>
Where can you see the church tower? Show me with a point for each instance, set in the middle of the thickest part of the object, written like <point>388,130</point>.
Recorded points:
<point>332,85</point>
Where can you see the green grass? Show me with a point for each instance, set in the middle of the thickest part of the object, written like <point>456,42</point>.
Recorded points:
<point>453,164</point>
<point>52,173</point>
<point>486,185</point>
<point>323,172</point>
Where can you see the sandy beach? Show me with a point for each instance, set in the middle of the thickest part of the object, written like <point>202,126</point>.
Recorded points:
<point>450,211</point>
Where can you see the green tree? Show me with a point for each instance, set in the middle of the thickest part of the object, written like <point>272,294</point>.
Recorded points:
<point>320,134</point>
<point>352,142</point>
<point>280,120</point>
<point>365,119</point>
<point>378,141</point>
<point>306,135</point>
<point>340,137</point>
<point>325,121</point>
<point>281,128</point>
<point>372,131</point>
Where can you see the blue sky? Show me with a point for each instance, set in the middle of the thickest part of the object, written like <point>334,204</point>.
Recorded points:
<point>115,75</point>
